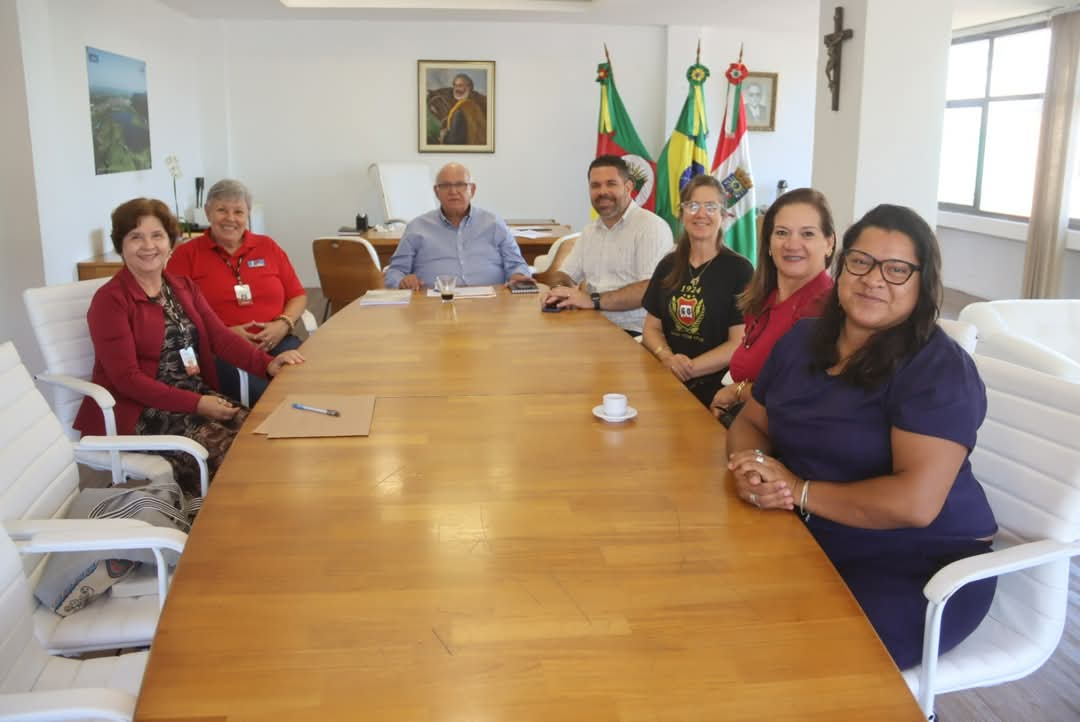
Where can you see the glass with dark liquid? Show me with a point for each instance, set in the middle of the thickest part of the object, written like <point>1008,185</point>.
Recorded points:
<point>446,286</point>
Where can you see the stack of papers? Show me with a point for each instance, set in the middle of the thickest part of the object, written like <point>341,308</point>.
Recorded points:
<point>466,292</point>
<point>352,417</point>
<point>386,297</point>
<point>533,232</point>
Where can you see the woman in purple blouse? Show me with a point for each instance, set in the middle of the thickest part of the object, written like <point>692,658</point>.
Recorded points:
<point>863,420</point>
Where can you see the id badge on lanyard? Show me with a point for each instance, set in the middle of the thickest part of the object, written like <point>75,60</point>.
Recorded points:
<point>190,360</point>
<point>241,289</point>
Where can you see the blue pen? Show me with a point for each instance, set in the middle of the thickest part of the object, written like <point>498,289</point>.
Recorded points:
<point>317,410</point>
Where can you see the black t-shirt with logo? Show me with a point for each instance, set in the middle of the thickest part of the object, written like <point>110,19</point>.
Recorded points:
<point>697,314</point>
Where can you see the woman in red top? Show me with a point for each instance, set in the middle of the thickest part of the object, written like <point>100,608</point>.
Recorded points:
<point>246,277</point>
<point>155,341</point>
<point>790,282</point>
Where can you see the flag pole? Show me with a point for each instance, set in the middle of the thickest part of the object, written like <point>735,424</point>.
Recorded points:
<point>607,54</point>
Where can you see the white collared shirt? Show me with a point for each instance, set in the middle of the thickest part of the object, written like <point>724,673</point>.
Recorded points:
<point>612,258</point>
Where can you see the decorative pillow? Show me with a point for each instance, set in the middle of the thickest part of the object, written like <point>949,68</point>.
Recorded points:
<point>88,577</point>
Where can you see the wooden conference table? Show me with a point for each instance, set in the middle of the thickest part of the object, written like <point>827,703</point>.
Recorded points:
<point>386,242</point>
<point>494,552</point>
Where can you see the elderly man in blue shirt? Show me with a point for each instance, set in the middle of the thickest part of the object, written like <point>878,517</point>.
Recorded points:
<point>456,239</point>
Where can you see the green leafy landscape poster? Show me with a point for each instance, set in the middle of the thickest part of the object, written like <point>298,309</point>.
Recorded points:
<point>119,112</point>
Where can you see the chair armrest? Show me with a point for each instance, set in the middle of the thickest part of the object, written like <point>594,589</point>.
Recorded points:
<point>1003,561</point>
<point>98,393</point>
<point>1028,353</point>
<point>162,442</point>
<point>23,529</point>
<point>150,537</point>
<point>67,704</point>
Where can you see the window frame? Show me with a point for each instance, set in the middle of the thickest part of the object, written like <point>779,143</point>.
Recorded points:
<point>984,104</point>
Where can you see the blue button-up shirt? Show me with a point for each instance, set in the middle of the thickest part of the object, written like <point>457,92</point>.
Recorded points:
<point>480,251</point>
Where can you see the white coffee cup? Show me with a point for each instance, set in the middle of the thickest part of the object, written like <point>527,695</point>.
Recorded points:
<point>615,405</point>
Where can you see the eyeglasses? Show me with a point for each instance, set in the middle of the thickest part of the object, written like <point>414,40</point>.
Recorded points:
<point>711,207</point>
<point>893,270</point>
<point>458,186</point>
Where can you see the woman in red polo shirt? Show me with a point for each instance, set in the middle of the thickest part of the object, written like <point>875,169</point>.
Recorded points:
<point>246,277</point>
<point>790,282</point>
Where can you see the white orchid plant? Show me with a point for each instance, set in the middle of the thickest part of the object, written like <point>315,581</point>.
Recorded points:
<point>173,166</point>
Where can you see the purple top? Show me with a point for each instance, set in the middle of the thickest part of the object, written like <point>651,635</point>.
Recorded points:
<point>824,428</point>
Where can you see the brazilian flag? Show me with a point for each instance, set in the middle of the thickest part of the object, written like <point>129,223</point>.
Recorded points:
<point>684,156</point>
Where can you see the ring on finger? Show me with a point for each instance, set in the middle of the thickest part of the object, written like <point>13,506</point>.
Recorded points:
<point>753,499</point>
<point>759,459</point>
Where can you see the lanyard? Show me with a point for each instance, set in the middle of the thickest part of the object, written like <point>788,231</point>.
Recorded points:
<point>172,310</point>
<point>236,271</point>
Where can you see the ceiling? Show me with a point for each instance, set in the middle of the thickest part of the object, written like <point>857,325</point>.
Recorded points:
<point>966,13</point>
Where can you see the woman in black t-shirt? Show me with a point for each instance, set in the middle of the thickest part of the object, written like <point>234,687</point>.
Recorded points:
<point>693,324</point>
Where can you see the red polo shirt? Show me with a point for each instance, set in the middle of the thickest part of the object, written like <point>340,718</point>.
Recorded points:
<point>777,319</point>
<point>259,262</point>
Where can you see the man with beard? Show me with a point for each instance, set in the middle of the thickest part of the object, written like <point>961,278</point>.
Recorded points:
<point>456,239</point>
<point>465,123</point>
<point>611,264</point>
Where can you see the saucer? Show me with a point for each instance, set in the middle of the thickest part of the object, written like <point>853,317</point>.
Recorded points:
<point>598,412</point>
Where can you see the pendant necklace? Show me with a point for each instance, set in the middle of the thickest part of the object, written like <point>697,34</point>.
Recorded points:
<point>695,276</point>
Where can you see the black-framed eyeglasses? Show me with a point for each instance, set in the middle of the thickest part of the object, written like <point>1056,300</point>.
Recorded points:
<point>893,270</point>
<point>711,207</point>
<point>458,186</point>
<point>756,328</point>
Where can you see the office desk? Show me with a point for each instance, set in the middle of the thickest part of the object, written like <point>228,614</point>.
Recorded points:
<point>494,552</point>
<point>386,242</point>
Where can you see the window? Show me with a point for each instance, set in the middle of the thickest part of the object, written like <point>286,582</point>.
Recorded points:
<point>993,110</point>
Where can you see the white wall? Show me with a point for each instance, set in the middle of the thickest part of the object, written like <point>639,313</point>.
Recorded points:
<point>73,203</point>
<point>313,104</point>
<point>22,264</point>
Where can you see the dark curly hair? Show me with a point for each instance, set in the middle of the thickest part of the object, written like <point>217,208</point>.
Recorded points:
<point>875,362</point>
<point>127,216</point>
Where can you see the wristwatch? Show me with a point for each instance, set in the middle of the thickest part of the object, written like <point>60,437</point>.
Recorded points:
<point>595,300</point>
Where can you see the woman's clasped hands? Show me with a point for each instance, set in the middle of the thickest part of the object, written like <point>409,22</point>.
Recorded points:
<point>762,480</point>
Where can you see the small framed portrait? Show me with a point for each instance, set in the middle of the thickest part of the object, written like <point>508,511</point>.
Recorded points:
<point>759,99</point>
<point>456,103</point>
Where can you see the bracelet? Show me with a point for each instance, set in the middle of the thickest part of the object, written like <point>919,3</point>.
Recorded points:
<point>286,319</point>
<point>738,390</point>
<point>660,349</point>
<point>803,499</point>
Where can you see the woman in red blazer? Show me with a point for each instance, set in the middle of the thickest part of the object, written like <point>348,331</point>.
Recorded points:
<point>155,341</point>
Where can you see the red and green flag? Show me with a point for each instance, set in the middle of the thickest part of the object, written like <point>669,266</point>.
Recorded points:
<point>616,136</point>
<point>685,154</point>
<point>731,166</point>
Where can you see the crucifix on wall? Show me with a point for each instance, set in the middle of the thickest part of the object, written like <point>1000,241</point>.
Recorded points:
<point>832,49</point>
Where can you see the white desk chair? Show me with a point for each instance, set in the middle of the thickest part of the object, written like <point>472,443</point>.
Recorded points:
<point>1040,334</point>
<point>58,318</point>
<point>406,188</point>
<point>1028,460</point>
<point>961,332</point>
<point>38,481</point>
<point>38,686</point>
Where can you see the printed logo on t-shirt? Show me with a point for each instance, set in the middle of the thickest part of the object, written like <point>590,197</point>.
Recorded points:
<point>687,310</point>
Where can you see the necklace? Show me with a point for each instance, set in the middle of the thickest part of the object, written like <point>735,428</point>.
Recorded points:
<point>695,276</point>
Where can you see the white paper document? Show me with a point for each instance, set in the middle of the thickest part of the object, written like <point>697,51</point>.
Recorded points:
<point>386,297</point>
<point>532,232</point>
<point>467,292</point>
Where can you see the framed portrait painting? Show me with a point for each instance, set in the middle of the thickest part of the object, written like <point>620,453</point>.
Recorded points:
<point>456,104</point>
<point>759,99</point>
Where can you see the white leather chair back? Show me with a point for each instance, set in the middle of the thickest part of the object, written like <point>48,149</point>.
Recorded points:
<point>543,262</point>
<point>58,318</point>
<point>21,656</point>
<point>38,475</point>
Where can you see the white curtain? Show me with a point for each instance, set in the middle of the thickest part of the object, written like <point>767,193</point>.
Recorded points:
<point>1049,222</point>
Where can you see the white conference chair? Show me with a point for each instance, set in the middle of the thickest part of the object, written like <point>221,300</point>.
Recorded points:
<point>1028,460</point>
<point>406,188</point>
<point>961,332</point>
<point>34,685</point>
<point>38,482</point>
<point>1041,334</point>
